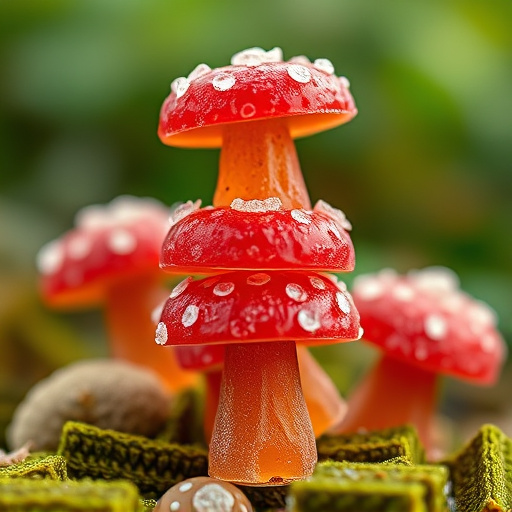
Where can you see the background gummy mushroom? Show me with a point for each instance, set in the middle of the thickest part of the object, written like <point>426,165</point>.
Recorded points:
<point>253,109</point>
<point>111,258</point>
<point>424,326</point>
<point>262,433</point>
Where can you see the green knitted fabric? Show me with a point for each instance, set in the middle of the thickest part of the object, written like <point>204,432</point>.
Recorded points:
<point>148,505</point>
<point>152,465</point>
<point>53,467</point>
<point>185,422</point>
<point>377,446</point>
<point>266,497</point>
<point>481,472</point>
<point>29,495</point>
<point>432,477</point>
<point>320,494</point>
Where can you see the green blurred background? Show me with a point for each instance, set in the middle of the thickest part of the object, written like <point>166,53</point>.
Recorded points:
<point>423,172</point>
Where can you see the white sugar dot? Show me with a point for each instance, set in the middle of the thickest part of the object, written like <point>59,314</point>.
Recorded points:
<point>317,283</point>
<point>79,247</point>
<point>296,292</point>
<point>360,333</point>
<point>403,292</point>
<point>488,343</point>
<point>256,205</point>
<point>368,287</point>
<point>435,327</point>
<point>223,289</point>
<point>343,302</point>
<point>175,505</point>
<point>324,65</point>
<point>299,73</point>
<point>308,320</point>
<point>190,315</point>
<point>344,81</point>
<point>301,216</point>
<point>185,487</point>
<point>180,86</point>
<point>258,279</point>
<point>180,288</point>
<point>243,508</point>
<point>421,353</point>
<point>199,71</point>
<point>223,82</point>
<point>161,334</point>
<point>122,242</point>
<point>213,498</point>
<point>50,258</point>
<point>248,110</point>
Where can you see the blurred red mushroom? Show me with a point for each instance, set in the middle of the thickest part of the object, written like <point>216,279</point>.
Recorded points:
<point>111,257</point>
<point>262,416</point>
<point>424,326</point>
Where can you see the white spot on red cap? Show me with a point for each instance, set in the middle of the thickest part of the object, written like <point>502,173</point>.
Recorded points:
<point>223,289</point>
<point>324,65</point>
<point>190,315</point>
<point>435,326</point>
<point>182,210</point>
<point>256,205</point>
<point>180,288</point>
<point>299,73</point>
<point>317,283</point>
<point>360,333</point>
<point>301,216</point>
<point>309,320</point>
<point>334,213</point>
<point>344,81</point>
<point>343,302</point>
<point>121,241</point>
<point>403,292</point>
<point>223,82</point>
<point>185,487</point>
<point>180,86</point>
<point>296,292</point>
<point>247,111</point>
<point>175,506</point>
<point>300,59</point>
<point>258,279</point>
<point>256,56</point>
<point>368,287</point>
<point>50,258</point>
<point>79,247</point>
<point>199,71</point>
<point>161,334</point>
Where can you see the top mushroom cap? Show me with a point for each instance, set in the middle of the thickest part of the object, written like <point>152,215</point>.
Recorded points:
<point>257,85</point>
<point>257,235</point>
<point>110,242</point>
<point>423,318</point>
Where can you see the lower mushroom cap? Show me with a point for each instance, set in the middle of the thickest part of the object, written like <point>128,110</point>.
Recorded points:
<point>239,307</point>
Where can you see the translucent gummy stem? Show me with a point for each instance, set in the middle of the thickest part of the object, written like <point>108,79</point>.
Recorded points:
<point>262,434</point>
<point>393,394</point>
<point>131,331</point>
<point>258,160</point>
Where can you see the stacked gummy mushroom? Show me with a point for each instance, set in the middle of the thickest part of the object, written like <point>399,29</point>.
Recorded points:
<point>265,251</point>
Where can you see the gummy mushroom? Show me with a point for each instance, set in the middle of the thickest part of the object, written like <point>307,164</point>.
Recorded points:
<point>203,494</point>
<point>424,326</point>
<point>253,109</point>
<point>262,433</point>
<point>111,257</point>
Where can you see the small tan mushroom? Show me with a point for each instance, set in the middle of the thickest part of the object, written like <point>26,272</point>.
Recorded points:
<point>203,494</point>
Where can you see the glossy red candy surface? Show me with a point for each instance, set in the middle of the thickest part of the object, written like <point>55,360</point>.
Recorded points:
<point>312,99</point>
<point>238,307</point>
<point>216,239</point>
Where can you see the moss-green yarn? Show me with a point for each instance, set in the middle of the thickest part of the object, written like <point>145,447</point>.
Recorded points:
<point>148,505</point>
<point>331,495</point>
<point>432,477</point>
<point>266,497</point>
<point>152,465</point>
<point>29,495</point>
<point>481,472</point>
<point>400,443</point>
<point>52,466</point>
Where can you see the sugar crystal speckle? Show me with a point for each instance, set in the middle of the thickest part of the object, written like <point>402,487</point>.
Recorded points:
<point>223,82</point>
<point>161,334</point>
<point>190,315</point>
<point>324,65</point>
<point>223,289</point>
<point>296,292</point>
<point>256,205</point>
<point>180,86</point>
<point>343,302</point>
<point>299,73</point>
<point>180,288</point>
<point>309,320</point>
<point>301,216</point>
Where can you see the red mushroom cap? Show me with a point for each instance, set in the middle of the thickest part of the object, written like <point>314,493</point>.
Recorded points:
<point>258,235</point>
<point>423,318</point>
<point>239,307</point>
<point>109,242</point>
<point>200,357</point>
<point>258,85</point>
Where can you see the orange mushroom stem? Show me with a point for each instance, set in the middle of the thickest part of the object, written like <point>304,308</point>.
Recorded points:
<point>258,160</point>
<point>262,418</point>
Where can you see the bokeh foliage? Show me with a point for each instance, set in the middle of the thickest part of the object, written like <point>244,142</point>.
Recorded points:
<point>423,172</point>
